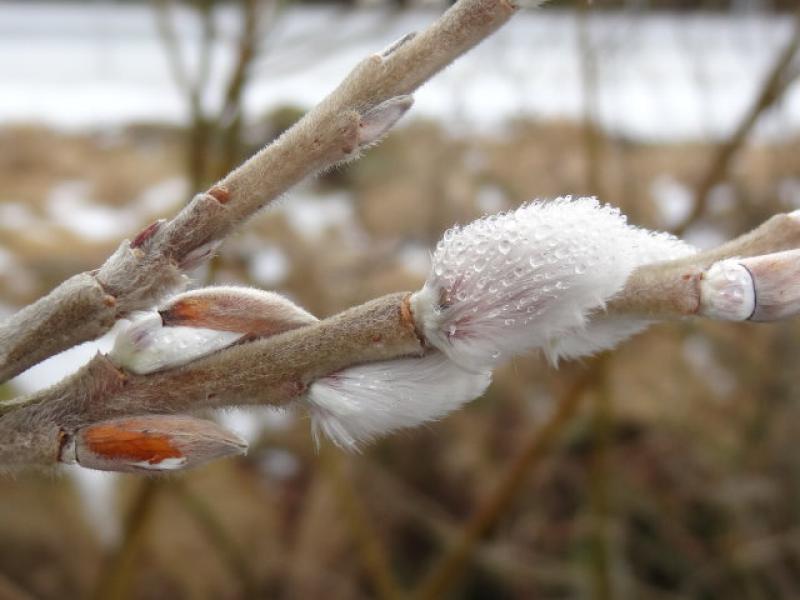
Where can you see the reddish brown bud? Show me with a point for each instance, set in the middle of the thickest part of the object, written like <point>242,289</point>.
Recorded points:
<point>151,443</point>
<point>243,310</point>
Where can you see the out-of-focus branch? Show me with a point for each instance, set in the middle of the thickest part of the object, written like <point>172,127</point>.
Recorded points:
<point>447,569</point>
<point>219,539</point>
<point>373,557</point>
<point>114,579</point>
<point>776,83</point>
<point>255,16</point>
<point>192,86</point>
<point>141,272</point>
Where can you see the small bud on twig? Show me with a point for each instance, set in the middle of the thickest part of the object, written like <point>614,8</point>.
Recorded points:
<point>377,121</point>
<point>151,443</point>
<point>529,278</point>
<point>360,403</point>
<point>758,288</point>
<point>776,278</point>
<point>244,310</point>
<point>727,292</point>
<point>200,322</point>
<point>391,48</point>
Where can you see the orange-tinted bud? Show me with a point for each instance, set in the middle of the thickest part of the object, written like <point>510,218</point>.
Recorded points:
<point>239,309</point>
<point>152,443</point>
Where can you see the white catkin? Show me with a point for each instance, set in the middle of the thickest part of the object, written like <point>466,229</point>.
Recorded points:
<point>146,346</point>
<point>535,277</point>
<point>358,404</point>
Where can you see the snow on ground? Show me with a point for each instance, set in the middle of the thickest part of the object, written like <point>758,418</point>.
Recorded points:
<point>661,76</point>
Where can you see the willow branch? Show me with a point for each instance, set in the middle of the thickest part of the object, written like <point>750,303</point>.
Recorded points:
<point>776,83</point>
<point>675,289</point>
<point>273,370</point>
<point>142,271</point>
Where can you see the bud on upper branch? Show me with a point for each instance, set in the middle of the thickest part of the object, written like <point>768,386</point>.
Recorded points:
<point>198,323</point>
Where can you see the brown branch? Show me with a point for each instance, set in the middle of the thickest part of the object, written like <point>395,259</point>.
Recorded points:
<point>272,370</point>
<point>115,578</point>
<point>141,272</point>
<point>373,556</point>
<point>219,539</point>
<point>776,83</point>
<point>455,559</point>
<point>275,370</point>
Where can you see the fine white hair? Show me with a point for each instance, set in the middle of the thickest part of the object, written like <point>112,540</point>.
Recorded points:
<point>361,403</point>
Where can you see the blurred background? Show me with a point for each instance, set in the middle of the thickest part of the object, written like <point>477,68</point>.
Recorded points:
<point>666,469</point>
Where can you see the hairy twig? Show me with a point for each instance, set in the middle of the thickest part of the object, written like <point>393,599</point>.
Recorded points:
<point>673,290</point>
<point>272,370</point>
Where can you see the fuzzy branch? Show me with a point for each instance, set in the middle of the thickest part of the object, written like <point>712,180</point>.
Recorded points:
<point>272,370</point>
<point>141,272</point>
<point>677,289</point>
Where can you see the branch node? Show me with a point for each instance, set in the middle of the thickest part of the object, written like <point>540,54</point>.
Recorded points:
<point>220,193</point>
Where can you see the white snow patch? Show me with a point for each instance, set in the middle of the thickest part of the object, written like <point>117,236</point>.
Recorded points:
<point>68,205</point>
<point>279,464</point>
<point>98,494</point>
<point>163,197</point>
<point>660,75</point>
<point>699,354</point>
<point>789,192</point>
<point>673,199</point>
<point>311,215</point>
<point>268,266</point>
<point>704,237</point>
<point>248,423</point>
<point>17,216</point>
<point>416,259</point>
<point>55,368</point>
<point>491,199</point>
